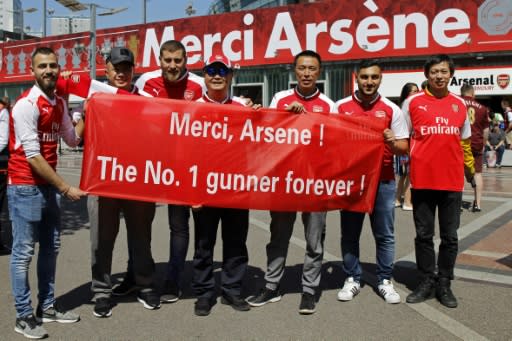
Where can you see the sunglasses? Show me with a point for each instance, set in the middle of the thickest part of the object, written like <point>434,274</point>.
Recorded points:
<point>217,70</point>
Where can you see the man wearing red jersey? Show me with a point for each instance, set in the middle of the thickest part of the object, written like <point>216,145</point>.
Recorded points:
<point>39,119</point>
<point>218,74</point>
<point>438,121</point>
<point>304,98</point>
<point>367,102</point>
<point>105,215</point>
<point>175,82</point>
<point>479,119</point>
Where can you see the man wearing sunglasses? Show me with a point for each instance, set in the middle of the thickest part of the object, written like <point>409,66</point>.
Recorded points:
<point>218,74</point>
<point>304,98</point>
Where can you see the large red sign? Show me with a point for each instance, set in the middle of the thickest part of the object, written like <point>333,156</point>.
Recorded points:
<point>191,153</point>
<point>338,30</point>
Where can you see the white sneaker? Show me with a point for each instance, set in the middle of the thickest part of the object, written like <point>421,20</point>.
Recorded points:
<point>388,292</point>
<point>350,289</point>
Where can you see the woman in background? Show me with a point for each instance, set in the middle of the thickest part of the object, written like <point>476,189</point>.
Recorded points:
<point>403,186</point>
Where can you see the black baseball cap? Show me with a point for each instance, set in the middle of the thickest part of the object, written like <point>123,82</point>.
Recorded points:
<point>119,55</point>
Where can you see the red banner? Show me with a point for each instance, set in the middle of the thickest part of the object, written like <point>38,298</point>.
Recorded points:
<point>228,156</point>
<point>338,30</point>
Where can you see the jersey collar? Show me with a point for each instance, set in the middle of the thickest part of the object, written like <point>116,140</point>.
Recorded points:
<point>314,95</point>
<point>427,91</point>
<point>179,81</point>
<point>358,99</point>
<point>209,100</point>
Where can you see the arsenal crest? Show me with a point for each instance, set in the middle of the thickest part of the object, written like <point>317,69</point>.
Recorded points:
<point>75,78</point>
<point>455,108</point>
<point>188,95</point>
<point>317,108</point>
<point>503,80</point>
<point>380,114</point>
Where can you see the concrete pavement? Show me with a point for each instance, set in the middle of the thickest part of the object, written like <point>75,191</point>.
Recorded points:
<point>483,284</point>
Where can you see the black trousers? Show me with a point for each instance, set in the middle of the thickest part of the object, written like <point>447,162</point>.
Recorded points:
<point>235,226</point>
<point>448,205</point>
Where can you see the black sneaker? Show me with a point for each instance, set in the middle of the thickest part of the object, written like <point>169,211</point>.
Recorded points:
<point>476,208</point>
<point>56,314</point>
<point>170,292</point>
<point>102,307</point>
<point>29,327</point>
<point>149,299</point>
<point>126,287</point>
<point>307,304</point>
<point>235,302</point>
<point>424,291</point>
<point>203,306</point>
<point>264,296</point>
<point>444,293</point>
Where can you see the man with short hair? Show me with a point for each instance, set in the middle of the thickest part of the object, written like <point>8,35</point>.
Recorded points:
<point>496,142</point>
<point>218,74</point>
<point>479,120</point>
<point>304,98</point>
<point>438,122</point>
<point>105,215</point>
<point>39,119</point>
<point>367,102</point>
<point>173,81</point>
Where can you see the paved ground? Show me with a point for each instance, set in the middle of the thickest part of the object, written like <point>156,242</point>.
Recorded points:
<point>483,284</point>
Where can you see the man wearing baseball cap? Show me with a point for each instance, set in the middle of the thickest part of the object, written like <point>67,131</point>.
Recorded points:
<point>105,214</point>
<point>218,74</point>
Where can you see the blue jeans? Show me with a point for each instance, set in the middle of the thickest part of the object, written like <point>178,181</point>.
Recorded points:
<point>35,216</point>
<point>382,220</point>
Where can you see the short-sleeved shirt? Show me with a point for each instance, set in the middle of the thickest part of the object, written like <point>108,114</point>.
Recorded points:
<point>437,126</point>
<point>380,108</point>
<point>495,138</point>
<point>479,120</point>
<point>37,124</point>
<point>316,102</point>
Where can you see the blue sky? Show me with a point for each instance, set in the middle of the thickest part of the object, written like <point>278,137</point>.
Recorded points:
<point>156,10</point>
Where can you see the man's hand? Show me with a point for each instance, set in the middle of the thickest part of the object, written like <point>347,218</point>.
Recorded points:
<point>296,107</point>
<point>248,101</point>
<point>389,136</point>
<point>66,74</point>
<point>73,193</point>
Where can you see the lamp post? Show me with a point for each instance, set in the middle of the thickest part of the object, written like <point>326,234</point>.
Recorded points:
<point>143,11</point>
<point>74,6</point>
<point>22,12</point>
<point>44,18</point>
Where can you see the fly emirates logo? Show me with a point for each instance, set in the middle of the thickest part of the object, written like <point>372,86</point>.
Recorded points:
<point>50,136</point>
<point>441,127</point>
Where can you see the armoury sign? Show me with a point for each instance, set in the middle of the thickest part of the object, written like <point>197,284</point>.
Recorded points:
<point>338,30</point>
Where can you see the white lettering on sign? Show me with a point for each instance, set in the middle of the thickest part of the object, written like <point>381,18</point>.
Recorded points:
<point>449,28</point>
<point>199,49</point>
